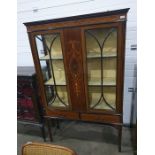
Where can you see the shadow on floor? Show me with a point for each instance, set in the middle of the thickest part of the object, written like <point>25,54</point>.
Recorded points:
<point>84,138</point>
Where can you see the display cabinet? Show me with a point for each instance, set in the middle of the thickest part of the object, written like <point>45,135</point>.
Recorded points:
<point>29,110</point>
<point>80,66</point>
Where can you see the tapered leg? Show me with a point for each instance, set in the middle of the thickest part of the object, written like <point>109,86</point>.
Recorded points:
<point>119,137</point>
<point>57,122</point>
<point>43,131</point>
<point>53,122</point>
<point>49,129</point>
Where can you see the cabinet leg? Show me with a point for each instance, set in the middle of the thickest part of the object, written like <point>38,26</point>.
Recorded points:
<point>43,132</point>
<point>49,129</point>
<point>119,138</point>
<point>57,123</point>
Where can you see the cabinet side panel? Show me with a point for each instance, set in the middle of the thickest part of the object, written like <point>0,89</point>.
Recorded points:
<point>120,66</point>
<point>37,68</point>
<point>74,65</point>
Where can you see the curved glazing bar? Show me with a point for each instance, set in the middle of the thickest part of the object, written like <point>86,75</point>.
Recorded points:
<point>48,41</point>
<point>101,47</point>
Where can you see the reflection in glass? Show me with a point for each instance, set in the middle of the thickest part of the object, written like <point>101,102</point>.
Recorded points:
<point>52,66</point>
<point>101,46</point>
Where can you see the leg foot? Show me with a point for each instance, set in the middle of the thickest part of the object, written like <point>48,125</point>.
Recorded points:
<point>43,132</point>
<point>57,123</point>
<point>49,129</point>
<point>119,138</point>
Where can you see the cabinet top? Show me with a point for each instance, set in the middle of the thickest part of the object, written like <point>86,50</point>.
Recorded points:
<point>99,14</point>
<point>25,71</point>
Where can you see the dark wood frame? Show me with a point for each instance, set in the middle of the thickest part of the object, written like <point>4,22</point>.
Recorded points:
<point>77,24</point>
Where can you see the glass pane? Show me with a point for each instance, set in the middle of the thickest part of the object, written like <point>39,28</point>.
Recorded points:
<point>97,101</point>
<point>62,98</point>
<point>110,45</point>
<point>52,66</point>
<point>101,47</point>
<point>104,40</point>
<point>59,72</point>
<point>54,45</point>
<point>109,71</point>
<point>93,49</point>
<point>94,71</point>
<point>108,74</point>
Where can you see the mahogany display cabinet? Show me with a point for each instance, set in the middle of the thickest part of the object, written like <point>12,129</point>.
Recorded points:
<point>84,61</point>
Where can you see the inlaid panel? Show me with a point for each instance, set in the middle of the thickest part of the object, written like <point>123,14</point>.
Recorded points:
<point>74,63</point>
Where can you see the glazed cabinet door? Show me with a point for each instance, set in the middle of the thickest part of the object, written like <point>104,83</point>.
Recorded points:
<point>101,59</point>
<point>52,68</point>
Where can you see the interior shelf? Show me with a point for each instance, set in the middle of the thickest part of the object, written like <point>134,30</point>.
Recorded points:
<point>106,55</point>
<point>47,57</point>
<point>59,82</point>
<point>90,55</point>
<point>106,82</point>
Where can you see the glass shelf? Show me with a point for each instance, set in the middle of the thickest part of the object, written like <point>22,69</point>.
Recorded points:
<point>96,55</point>
<point>58,82</point>
<point>106,82</point>
<point>47,57</point>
